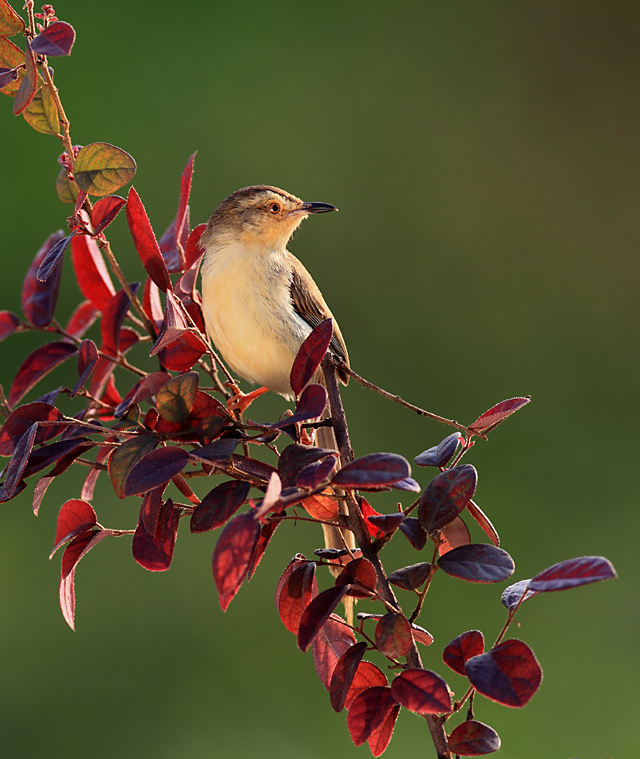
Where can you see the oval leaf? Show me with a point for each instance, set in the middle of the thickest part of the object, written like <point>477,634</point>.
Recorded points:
<point>316,614</point>
<point>155,552</point>
<point>497,414</point>
<point>473,738</point>
<point>232,555</point>
<point>10,22</point>
<point>478,562</point>
<point>39,298</point>
<point>368,711</point>
<point>101,169</point>
<point>343,675</point>
<point>219,505</point>
<point>367,676</point>
<point>105,211</point>
<point>125,457</point>
<point>155,469</point>
<point>393,635</point>
<point>74,518</point>
<point>20,420</point>
<point>380,737</point>
<point>361,574</point>
<point>573,573</point>
<point>296,593</point>
<point>441,454</point>
<point>332,640</point>
<point>176,397</point>
<point>411,577</point>
<point>422,691</point>
<point>56,39</point>
<point>373,470</point>
<point>446,496</point>
<point>461,649</point>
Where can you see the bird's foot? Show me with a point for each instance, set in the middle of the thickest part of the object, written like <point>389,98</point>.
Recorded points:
<point>239,402</point>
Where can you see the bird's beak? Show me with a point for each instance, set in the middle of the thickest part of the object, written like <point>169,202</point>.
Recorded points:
<point>316,208</point>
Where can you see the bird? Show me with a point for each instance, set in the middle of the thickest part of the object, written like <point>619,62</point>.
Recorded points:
<point>260,303</point>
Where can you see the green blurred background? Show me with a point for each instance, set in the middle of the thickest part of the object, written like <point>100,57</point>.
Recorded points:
<point>484,157</point>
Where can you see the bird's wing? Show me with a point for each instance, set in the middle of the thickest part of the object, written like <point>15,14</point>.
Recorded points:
<point>309,304</point>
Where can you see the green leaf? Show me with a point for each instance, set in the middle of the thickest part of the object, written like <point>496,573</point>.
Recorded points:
<point>125,456</point>
<point>10,22</point>
<point>101,169</point>
<point>42,114</point>
<point>10,57</point>
<point>176,397</point>
<point>67,189</point>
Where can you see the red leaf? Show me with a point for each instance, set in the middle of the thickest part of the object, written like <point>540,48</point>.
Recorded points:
<point>39,298</point>
<point>154,469</point>
<point>8,324</point>
<point>411,577</point>
<point>81,319</point>
<point>72,555</point>
<point>368,711</point>
<point>379,738</point>
<point>485,523</point>
<point>180,349</point>
<point>412,530</point>
<point>219,505</point>
<point>461,649</point>
<point>113,316</point>
<point>367,676</point>
<point>454,535</point>
<point>232,555</point>
<point>145,242</point>
<point>151,304</point>
<point>422,691</point>
<point>446,496</point>
<point>310,355</point>
<point>193,251</point>
<point>142,390</point>
<point>266,533</point>
<point>373,470</point>
<point>155,552</point>
<point>321,507</point>
<point>87,359</point>
<point>316,614</point>
<point>310,405</point>
<point>17,463</point>
<point>333,639</point>
<point>420,635</point>
<point>478,562</point>
<point>509,673</point>
<point>91,272</point>
<point>573,573</point>
<point>258,470</point>
<point>473,738</point>
<point>317,472</point>
<point>48,454</point>
<point>393,635</point>
<point>181,224</point>
<point>105,211</point>
<point>343,675</point>
<point>368,511</point>
<point>125,457</point>
<point>295,594</point>
<point>36,366</point>
<point>175,399</point>
<point>497,414</point>
<point>19,421</point>
<point>74,518</point>
<point>361,574</point>
<point>56,39</point>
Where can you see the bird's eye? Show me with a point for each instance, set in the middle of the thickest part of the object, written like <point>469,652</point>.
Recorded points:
<point>274,208</point>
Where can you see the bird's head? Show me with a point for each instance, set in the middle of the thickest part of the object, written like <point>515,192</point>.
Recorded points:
<point>260,215</point>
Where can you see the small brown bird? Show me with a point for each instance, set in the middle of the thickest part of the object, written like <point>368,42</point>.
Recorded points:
<point>259,301</point>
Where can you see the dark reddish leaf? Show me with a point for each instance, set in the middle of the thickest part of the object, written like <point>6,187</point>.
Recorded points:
<point>310,355</point>
<point>373,470</point>
<point>408,484</point>
<point>572,573</point>
<point>414,533</point>
<point>154,469</point>
<point>266,533</point>
<point>56,39</point>
<point>271,500</point>
<point>145,242</point>
<point>105,211</point>
<point>87,359</point>
<point>322,507</point>
<point>461,649</point>
<point>497,414</point>
<point>422,691</point>
<point>113,316</point>
<point>19,421</point>
<point>29,83</point>
<point>368,711</point>
<point>152,305</point>
<point>37,365</point>
<point>150,511</point>
<point>142,390</point>
<point>39,298</point>
<point>295,593</point>
<point>219,505</point>
<point>380,737</point>
<point>478,562</point>
<point>219,450</point>
<point>412,577</point>
<point>53,259</point>
<point>317,472</point>
<point>232,555</point>
<point>10,22</point>
<point>174,241</point>
<point>180,349</point>
<point>155,552</point>
<point>485,523</point>
<point>193,251</point>
<point>8,324</point>
<point>473,738</point>
<point>72,555</point>
<point>446,496</point>
<point>343,675</point>
<point>509,673</point>
<point>17,463</point>
<point>387,523</point>
<point>176,397</point>
<point>393,635</point>
<point>81,319</point>
<point>420,635</point>
<point>317,612</point>
<point>511,596</point>
<point>295,457</point>
<point>333,639</point>
<point>367,676</point>
<point>295,562</point>
<point>40,458</point>
<point>101,169</point>
<point>454,535</point>
<point>4,496</point>
<point>125,457</point>
<point>257,470</point>
<point>361,574</point>
<point>91,272</point>
<point>310,405</point>
<point>441,454</point>
<point>74,518</point>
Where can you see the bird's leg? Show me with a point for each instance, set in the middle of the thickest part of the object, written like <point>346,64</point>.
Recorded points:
<point>239,402</point>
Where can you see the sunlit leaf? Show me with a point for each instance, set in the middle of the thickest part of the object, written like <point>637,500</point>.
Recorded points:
<point>219,505</point>
<point>74,518</point>
<point>343,675</point>
<point>101,169</point>
<point>393,635</point>
<point>373,470</point>
<point>310,355</point>
<point>446,496</point>
<point>317,612</point>
<point>368,711</point>
<point>10,57</point>
<point>10,22</point>
<point>422,691</point>
<point>42,114</point>
<point>478,562</point>
<point>175,399</point>
<point>473,738</point>
<point>105,211</point>
<point>498,413</point>
<point>125,457</point>
<point>295,593</point>
<point>91,272</point>
<point>232,555</point>
<point>573,573</point>
<point>462,648</point>
<point>145,241</point>
<point>332,640</point>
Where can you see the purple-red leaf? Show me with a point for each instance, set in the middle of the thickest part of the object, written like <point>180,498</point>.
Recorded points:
<point>473,738</point>
<point>509,673</point>
<point>310,355</point>
<point>387,523</point>
<point>422,691</point>
<point>145,242</point>
<point>53,258</point>
<point>317,472</point>
<point>332,640</point>
<point>39,298</point>
<point>461,649</point>
<point>113,317</point>
<point>91,272</point>
<point>232,555</point>
<point>175,399</point>
<point>573,573</point>
<point>478,562</point>
<point>380,737</point>
<point>74,518</point>
<point>105,211</point>
<point>317,612</point>
<point>174,240</point>
<point>484,522</point>
<point>19,421</point>
<point>29,83</point>
<point>37,365</point>
<point>310,405</point>
<point>155,551</point>
<point>368,711</point>
<point>497,414</point>
<point>142,390</point>
<point>193,251</point>
<point>412,530</point>
<point>8,324</point>
<point>511,596</point>
<point>56,39</point>
<point>125,457</point>
<point>87,359</point>
<point>295,593</point>
<point>219,505</point>
<point>441,454</point>
<point>70,558</point>
<point>412,577</point>
<point>373,471</point>
<point>17,463</point>
<point>81,319</point>
<point>393,635</point>
<point>361,575</point>
<point>154,469</point>
<point>343,675</point>
<point>367,676</point>
<point>446,496</point>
